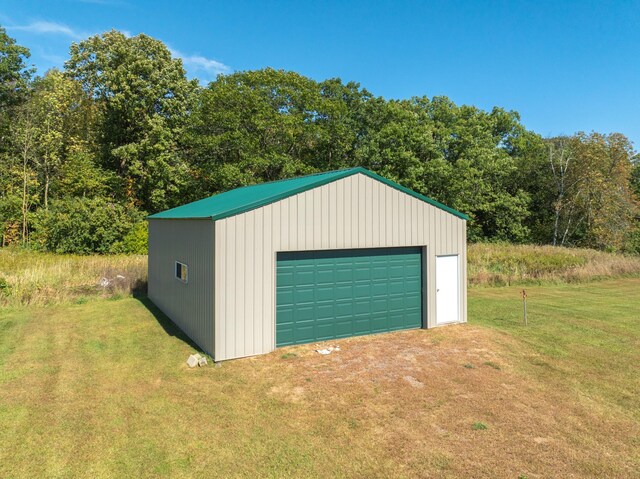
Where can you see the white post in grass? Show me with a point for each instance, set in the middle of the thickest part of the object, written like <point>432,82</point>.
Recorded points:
<point>524,303</point>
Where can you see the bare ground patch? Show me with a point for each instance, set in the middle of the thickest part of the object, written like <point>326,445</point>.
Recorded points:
<point>417,394</point>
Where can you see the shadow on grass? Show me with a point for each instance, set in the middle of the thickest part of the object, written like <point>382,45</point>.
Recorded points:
<point>169,326</point>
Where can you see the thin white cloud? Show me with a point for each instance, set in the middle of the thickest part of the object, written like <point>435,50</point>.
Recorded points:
<point>44,27</point>
<point>53,28</point>
<point>199,64</point>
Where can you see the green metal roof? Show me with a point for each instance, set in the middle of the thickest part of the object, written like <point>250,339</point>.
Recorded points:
<point>240,200</point>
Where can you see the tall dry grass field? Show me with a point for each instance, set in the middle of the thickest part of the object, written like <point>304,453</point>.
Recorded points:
<point>28,277</point>
<point>504,264</point>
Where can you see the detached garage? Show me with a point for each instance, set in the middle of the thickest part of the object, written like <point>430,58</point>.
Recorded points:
<point>313,258</point>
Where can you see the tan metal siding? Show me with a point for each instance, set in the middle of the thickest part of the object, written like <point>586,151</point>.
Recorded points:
<point>354,212</point>
<point>189,305</point>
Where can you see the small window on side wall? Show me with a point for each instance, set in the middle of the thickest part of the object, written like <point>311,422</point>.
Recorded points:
<point>182,272</point>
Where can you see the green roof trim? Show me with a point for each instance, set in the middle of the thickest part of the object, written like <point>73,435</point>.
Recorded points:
<point>241,200</point>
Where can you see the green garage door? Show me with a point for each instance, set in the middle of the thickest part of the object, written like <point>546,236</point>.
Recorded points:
<point>324,295</point>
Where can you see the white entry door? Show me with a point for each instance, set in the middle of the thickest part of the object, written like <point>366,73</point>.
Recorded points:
<point>447,293</point>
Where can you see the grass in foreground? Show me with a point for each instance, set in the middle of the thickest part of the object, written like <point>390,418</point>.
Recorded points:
<point>101,389</point>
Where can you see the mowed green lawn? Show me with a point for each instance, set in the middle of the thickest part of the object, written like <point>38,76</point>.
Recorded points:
<point>101,389</point>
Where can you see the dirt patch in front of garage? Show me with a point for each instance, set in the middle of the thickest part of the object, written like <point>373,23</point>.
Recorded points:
<point>454,402</point>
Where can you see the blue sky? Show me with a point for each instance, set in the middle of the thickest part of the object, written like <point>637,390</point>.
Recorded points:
<point>564,66</point>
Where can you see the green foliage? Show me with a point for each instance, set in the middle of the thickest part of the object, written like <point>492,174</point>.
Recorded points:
<point>266,125</point>
<point>79,176</point>
<point>632,244</point>
<point>635,175</point>
<point>4,286</point>
<point>136,241</point>
<point>143,96</point>
<point>582,191</point>
<point>478,426</point>
<point>83,225</point>
<point>122,125</point>
<point>14,73</point>
<point>493,365</point>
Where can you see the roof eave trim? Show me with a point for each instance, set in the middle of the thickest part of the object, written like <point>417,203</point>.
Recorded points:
<point>415,194</point>
<point>154,217</point>
<point>338,176</point>
<point>282,196</point>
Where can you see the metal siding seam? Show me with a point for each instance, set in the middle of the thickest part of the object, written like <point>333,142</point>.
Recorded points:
<point>362,205</point>
<point>332,194</point>
<point>219,254</point>
<point>268,309</point>
<point>415,221</point>
<point>388,202</point>
<point>230,318</point>
<point>433,246</point>
<point>300,220</point>
<point>396,217</point>
<point>249,285</point>
<point>241,260</point>
<point>308,202</point>
<point>375,214</point>
<point>368,208</point>
<point>339,214</point>
<point>451,242</point>
<point>293,214</point>
<point>324,215</point>
<point>353,207</point>
<point>405,234</point>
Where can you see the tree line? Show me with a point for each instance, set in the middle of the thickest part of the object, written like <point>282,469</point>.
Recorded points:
<point>121,132</point>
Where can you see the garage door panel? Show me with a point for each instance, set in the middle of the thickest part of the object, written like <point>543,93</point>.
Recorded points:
<point>380,305</point>
<point>333,294</point>
<point>285,316</point>
<point>284,296</point>
<point>324,293</point>
<point>396,287</point>
<point>411,303</point>
<point>343,291</point>
<point>362,273</point>
<point>362,325</point>
<point>304,333</point>
<point>344,308</point>
<point>304,277</point>
<point>304,295</point>
<point>379,322</point>
<point>325,276</point>
<point>344,328</point>
<point>304,313</point>
<point>396,304</point>
<point>285,277</point>
<point>362,290</point>
<point>362,307</point>
<point>379,289</point>
<point>326,311</point>
<point>379,272</point>
<point>325,329</point>
<point>344,275</point>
